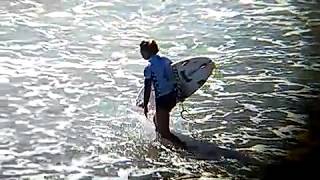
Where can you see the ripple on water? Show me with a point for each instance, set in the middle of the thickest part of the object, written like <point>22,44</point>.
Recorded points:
<point>69,73</point>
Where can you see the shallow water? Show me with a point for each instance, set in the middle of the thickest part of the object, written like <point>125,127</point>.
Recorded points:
<point>70,71</point>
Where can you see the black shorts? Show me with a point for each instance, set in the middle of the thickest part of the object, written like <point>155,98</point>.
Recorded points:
<point>167,101</point>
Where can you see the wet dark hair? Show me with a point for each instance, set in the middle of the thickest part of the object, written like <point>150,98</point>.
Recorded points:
<point>151,47</point>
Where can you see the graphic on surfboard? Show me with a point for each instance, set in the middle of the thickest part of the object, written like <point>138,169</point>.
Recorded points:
<point>190,75</point>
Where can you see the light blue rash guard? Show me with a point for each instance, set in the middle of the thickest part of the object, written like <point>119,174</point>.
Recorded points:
<point>159,70</point>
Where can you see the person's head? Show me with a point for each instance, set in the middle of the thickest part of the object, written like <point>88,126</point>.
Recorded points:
<point>148,49</point>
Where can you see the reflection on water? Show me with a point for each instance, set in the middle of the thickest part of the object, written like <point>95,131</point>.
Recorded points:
<point>70,71</point>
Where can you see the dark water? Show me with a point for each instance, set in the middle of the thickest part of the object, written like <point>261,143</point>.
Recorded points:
<point>70,70</point>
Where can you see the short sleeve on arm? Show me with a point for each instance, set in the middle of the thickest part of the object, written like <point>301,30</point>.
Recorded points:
<point>167,59</point>
<point>147,72</point>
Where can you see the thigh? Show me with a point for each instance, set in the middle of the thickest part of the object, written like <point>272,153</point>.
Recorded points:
<point>167,102</point>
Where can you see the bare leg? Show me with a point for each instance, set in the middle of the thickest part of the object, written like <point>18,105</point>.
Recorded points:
<point>155,123</point>
<point>162,121</point>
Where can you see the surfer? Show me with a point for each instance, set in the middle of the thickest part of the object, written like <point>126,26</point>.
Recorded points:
<point>159,73</point>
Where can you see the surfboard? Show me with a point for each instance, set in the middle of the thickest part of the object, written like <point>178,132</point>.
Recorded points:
<point>190,75</point>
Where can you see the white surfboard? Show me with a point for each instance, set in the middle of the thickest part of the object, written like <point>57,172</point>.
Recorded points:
<point>190,75</point>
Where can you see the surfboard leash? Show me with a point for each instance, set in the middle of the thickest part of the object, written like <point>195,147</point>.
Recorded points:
<point>178,90</point>
<point>183,110</point>
<point>215,74</point>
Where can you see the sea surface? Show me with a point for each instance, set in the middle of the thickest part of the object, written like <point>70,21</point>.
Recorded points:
<point>70,71</point>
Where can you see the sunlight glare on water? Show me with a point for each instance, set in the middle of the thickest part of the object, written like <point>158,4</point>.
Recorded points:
<point>70,72</point>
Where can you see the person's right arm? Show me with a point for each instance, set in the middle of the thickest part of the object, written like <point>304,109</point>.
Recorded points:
<point>147,89</point>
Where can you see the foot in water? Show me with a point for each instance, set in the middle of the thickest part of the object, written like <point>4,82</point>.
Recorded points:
<point>174,140</point>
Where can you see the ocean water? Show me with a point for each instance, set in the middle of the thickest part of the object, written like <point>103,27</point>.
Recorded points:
<point>70,71</point>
